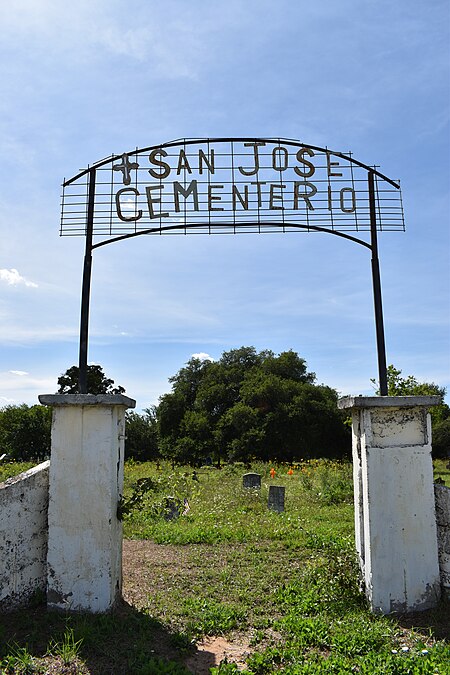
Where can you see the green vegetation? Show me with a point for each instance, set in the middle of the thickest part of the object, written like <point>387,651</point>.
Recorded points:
<point>220,510</point>
<point>10,469</point>
<point>250,406</point>
<point>142,435</point>
<point>285,586</point>
<point>25,432</point>
<point>68,649</point>
<point>97,382</point>
<point>440,414</point>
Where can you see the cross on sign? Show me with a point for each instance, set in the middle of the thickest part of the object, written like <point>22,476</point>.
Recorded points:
<point>125,168</point>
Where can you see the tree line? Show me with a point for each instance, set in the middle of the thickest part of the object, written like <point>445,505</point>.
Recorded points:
<point>246,406</point>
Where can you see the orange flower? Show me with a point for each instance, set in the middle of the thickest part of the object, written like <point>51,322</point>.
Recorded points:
<point>272,472</point>
<point>290,472</point>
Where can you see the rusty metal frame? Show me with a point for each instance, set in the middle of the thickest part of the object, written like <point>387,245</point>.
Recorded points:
<point>90,173</point>
<point>193,141</point>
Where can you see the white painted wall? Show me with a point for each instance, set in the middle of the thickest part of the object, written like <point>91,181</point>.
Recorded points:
<point>443,528</point>
<point>23,536</point>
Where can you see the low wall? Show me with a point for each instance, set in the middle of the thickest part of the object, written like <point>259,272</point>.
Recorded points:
<point>23,536</point>
<point>442,496</point>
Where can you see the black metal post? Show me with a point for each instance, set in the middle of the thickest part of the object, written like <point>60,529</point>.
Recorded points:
<point>376,281</point>
<point>86,290</point>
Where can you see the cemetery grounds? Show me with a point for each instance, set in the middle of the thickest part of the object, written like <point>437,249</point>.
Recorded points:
<point>230,586</point>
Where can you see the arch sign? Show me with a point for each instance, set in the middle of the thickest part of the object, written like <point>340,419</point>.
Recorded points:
<point>229,185</point>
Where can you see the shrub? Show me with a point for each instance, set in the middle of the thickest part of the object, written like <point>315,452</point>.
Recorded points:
<point>441,439</point>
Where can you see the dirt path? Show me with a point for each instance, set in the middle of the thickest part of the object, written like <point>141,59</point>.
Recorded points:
<point>141,561</point>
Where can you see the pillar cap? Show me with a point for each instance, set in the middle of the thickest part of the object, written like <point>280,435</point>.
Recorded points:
<point>388,401</point>
<point>86,399</point>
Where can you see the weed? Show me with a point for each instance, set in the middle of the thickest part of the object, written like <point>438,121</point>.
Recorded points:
<point>68,649</point>
<point>19,661</point>
<point>159,666</point>
<point>326,481</point>
<point>210,617</point>
<point>329,581</point>
<point>226,668</point>
<point>327,628</point>
<point>267,661</point>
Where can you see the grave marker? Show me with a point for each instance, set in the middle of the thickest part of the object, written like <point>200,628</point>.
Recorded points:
<point>251,480</point>
<point>171,508</point>
<point>276,498</point>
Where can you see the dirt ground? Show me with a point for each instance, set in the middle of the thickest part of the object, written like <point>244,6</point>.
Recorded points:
<point>150,572</point>
<point>141,556</point>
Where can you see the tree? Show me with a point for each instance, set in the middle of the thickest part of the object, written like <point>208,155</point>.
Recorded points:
<point>410,386</point>
<point>288,365</point>
<point>187,381</point>
<point>141,442</point>
<point>97,382</point>
<point>441,439</point>
<point>25,431</point>
<point>440,414</point>
<point>249,405</point>
<point>239,432</point>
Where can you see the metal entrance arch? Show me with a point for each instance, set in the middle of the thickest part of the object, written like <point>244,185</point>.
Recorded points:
<point>230,185</point>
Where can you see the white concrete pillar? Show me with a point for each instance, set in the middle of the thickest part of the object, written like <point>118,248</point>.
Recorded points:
<point>84,560</point>
<point>395,519</point>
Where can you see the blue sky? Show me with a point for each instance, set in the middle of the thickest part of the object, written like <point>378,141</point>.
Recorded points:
<point>82,80</point>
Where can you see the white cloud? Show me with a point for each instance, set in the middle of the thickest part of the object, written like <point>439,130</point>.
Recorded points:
<point>92,31</point>
<point>25,389</point>
<point>202,356</point>
<point>13,278</point>
<point>15,333</point>
<point>21,373</point>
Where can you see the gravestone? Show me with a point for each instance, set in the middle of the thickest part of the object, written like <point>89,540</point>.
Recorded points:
<point>171,508</point>
<point>251,480</point>
<point>276,498</point>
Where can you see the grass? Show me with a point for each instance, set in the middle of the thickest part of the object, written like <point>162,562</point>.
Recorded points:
<point>284,585</point>
<point>10,469</point>
<point>68,649</point>
<point>221,511</point>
